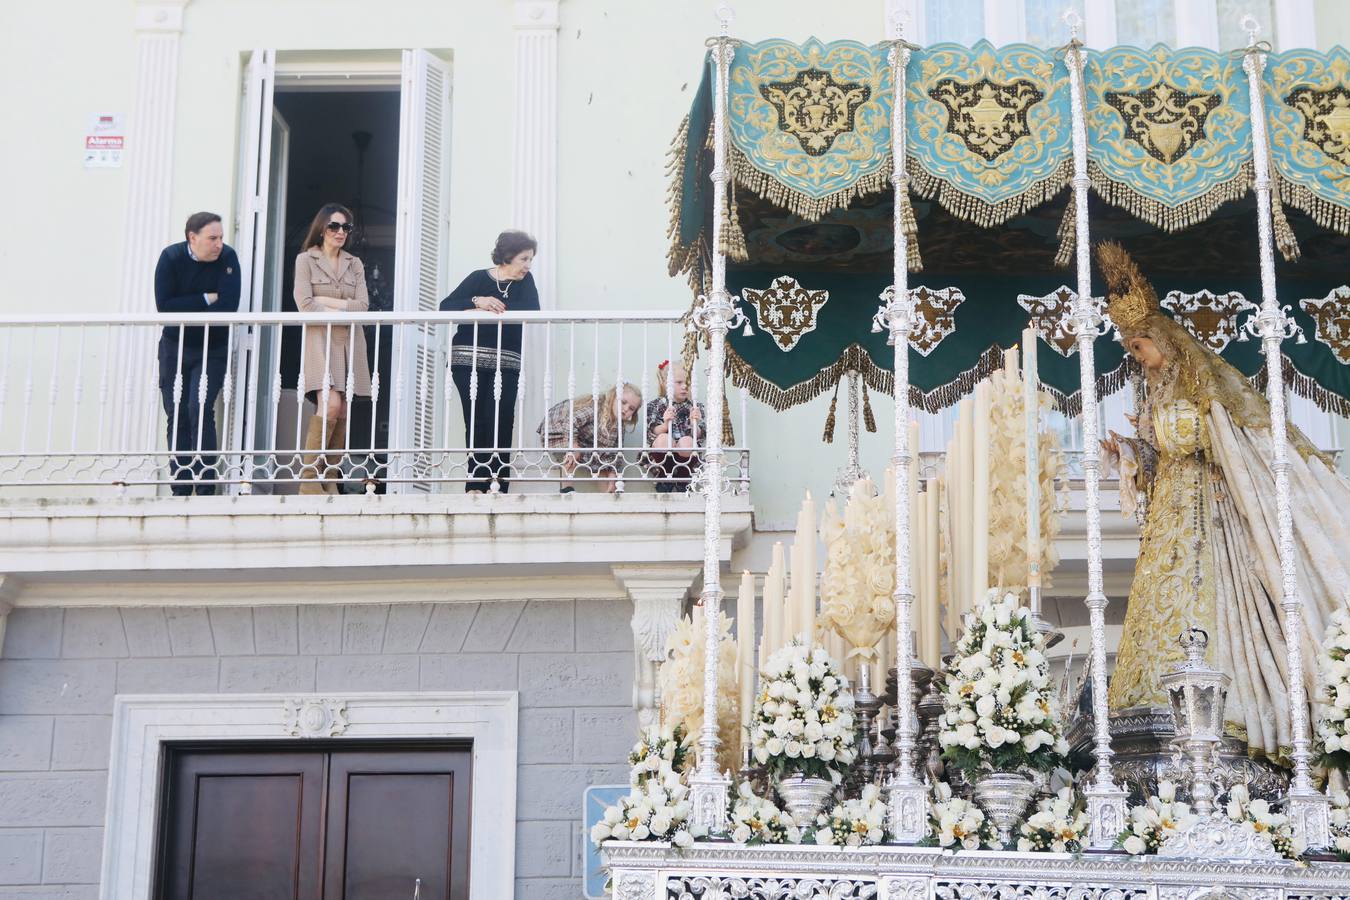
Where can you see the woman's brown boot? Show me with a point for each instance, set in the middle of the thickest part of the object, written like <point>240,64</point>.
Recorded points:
<point>312,463</point>
<point>337,440</point>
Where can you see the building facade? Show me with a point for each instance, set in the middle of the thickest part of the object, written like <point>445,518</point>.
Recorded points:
<point>139,629</point>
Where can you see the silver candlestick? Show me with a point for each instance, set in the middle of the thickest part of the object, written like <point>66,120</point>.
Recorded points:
<point>1198,693</point>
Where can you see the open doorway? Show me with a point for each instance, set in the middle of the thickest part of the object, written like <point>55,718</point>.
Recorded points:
<point>364,130</point>
<point>343,148</point>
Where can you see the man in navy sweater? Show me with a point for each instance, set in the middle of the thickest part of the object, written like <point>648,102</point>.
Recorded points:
<point>199,275</point>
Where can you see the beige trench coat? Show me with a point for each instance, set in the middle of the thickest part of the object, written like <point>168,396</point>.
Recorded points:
<point>321,289</point>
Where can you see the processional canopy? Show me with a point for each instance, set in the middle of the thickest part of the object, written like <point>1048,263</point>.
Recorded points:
<point>988,210</point>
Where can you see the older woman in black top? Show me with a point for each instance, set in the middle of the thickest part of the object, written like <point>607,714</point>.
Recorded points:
<point>489,421</point>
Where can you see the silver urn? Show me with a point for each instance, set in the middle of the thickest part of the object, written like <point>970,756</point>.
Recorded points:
<point>804,797</point>
<point>1004,797</point>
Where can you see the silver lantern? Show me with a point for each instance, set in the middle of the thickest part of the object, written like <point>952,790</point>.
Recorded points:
<point>1198,693</point>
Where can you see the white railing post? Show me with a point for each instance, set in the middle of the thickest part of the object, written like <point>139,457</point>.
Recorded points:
<point>1309,809</point>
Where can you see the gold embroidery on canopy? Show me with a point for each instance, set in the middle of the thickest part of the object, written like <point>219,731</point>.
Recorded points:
<point>936,317</point>
<point>814,108</point>
<point>1163,120</point>
<point>987,116</point>
<point>1332,315</point>
<point>786,310</point>
<point>1049,315</point>
<point>1212,319</point>
<point>1326,119</point>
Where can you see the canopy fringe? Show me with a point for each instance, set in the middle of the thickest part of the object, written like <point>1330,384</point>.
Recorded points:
<point>982,213</point>
<point>854,357</point>
<point>1162,215</point>
<point>1305,387</point>
<point>1332,216</point>
<point>813,209</point>
<point>680,258</point>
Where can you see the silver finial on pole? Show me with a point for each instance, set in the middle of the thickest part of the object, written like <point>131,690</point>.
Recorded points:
<point>1074,21</point>
<point>895,21</point>
<point>725,17</point>
<point>1252,27</point>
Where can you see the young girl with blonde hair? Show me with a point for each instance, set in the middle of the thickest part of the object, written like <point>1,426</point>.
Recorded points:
<point>583,425</point>
<point>674,423</point>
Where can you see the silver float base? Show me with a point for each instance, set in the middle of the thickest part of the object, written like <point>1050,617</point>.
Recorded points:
<point>1142,741</point>
<point>648,871</point>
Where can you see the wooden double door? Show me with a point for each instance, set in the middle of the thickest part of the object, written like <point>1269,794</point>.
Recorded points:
<point>346,822</point>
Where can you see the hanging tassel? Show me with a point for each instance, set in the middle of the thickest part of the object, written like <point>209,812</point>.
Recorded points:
<point>868,418</point>
<point>910,226</point>
<point>828,436</point>
<point>1068,234</point>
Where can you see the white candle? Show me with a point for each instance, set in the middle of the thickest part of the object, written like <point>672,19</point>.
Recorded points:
<point>963,485</point>
<point>773,606</point>
<point>807,597</point>
<point>745,644</point>
<point>931,565</point>
<point>980,490</point>
<point>1031,402</point>
<point>918,621</point>
<point>1010,362</point>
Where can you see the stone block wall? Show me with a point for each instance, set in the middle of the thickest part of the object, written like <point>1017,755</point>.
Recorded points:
<point>571,661</point>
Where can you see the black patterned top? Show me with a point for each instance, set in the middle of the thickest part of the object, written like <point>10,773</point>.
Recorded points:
<point>680,426</point>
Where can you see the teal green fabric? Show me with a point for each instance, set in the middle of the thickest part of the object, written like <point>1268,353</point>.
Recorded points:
<point>1141,104</point>
<point>1308,99</point>
<point>1169,140</point>
<point>989,320</point>
<point>1025,147</point>
<point>858,76</point>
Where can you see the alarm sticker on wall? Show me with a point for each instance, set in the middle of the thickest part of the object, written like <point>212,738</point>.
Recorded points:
<point>103,141</point>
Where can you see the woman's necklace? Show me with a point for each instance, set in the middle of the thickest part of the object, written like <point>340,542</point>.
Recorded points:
<point>501,290</point>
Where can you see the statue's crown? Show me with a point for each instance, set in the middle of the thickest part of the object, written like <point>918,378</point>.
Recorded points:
<point>1130,297</point>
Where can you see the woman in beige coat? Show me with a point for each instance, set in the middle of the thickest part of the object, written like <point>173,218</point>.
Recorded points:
<point>329,279</point>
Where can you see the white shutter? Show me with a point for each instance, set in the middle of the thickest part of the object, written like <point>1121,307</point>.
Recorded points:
<point>419,268</point>
<point>255,167</point>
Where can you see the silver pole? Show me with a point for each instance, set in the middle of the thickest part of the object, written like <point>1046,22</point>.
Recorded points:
<point>1309,810</point>
<point>716,314</point>
<point>907,805</point>
<point>1106,801</point>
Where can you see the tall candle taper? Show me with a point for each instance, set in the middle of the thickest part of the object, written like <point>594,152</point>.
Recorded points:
<point>922,620</point>
<point>773,606</point>
<point>964,486</point>
<point>1031,401</point>
<point>931,566</point>
<point>807,598</point>
<point>979,563</point>
<point>745,646</point>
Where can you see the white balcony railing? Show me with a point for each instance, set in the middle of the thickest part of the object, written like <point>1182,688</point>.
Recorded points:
<point>91,401</point>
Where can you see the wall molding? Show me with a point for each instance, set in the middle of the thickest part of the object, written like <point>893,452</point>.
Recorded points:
<point>142,724</point>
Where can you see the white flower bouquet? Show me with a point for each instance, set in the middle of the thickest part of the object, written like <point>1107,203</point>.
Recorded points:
<point>1154,821</point>
<point>999,708</point>
<point>1340,825</point>
<point>656,809</point>
<point>1057,825</point>
<point>1333,724</point>
<point>957,823</point>
<point>1260,818</point>
<point>853,823</point>
<point>658,750</point>
<point>803,717</point>
<point>755,820</point>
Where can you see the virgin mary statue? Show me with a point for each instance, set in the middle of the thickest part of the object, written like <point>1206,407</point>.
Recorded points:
<point>1203,463</point>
